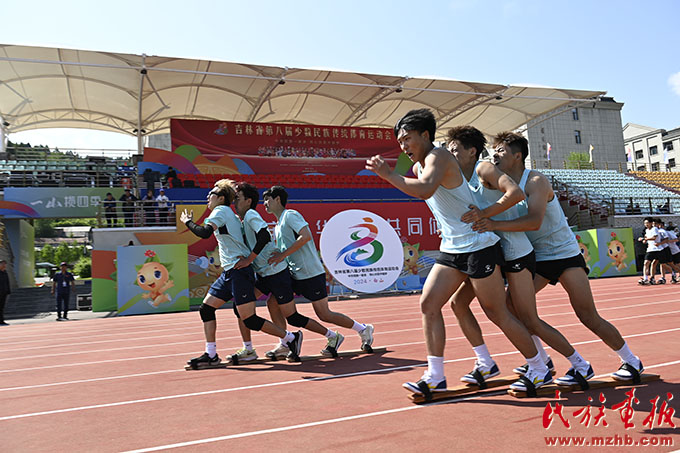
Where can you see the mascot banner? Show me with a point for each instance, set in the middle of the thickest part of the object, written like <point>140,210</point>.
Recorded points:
<point>152,279</point>
<point>608,252</point>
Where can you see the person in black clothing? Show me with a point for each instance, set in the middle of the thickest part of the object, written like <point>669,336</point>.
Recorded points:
<point>149,206</point>
<point>4,291</point>
<point>110,210</point>
<point>128,207</point>
<point>63,282</point>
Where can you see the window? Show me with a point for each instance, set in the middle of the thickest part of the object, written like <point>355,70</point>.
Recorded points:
<point>574,114</point>
<point>655,166</point>
<point>668,146</point>
<point>671,163</point>
<point>577,137</point>
<point>641,168</point>
<point>653,150</point>
<point>639,154</point>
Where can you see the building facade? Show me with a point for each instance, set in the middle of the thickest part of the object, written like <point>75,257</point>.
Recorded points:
<point>651,149</point>
<point>575,129</point>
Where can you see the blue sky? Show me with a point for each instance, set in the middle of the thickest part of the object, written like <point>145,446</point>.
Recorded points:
<point>629,49</point>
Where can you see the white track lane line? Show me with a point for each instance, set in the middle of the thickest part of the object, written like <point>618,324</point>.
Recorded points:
<point>273,384</point>
<point>384,333</point>
<point>156,345</point>
<point>318,423</point>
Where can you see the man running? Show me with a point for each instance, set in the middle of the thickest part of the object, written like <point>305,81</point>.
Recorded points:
<point>494,191</point>
<point>463,253</point>
<point>296,247</point>
<point>558,257</point>
<point>233,283</point>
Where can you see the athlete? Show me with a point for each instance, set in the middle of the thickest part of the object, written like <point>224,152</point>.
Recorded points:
<point>496,195</point>
<point>666,256</point>
<point>233,283</point>
<point>675,254</point>
<point>653,254</point>
<point>296,247</point>
<point>558,257</point>
<point>463,253</point>
<point>272,279</point>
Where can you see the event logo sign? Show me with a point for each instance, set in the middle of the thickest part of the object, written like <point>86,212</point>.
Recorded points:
<point>361,250</point>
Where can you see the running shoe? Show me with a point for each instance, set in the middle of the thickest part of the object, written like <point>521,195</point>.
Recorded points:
<point>538,379</point>
<point>486,372</point>
<point>204,361</point>
<point>425,382</point>
<point>243,355</point>
<point>333,345</point>
<point>295,345</point>
<point>367,336</point>
<point>622,374</point>
<point>280,352</point>
<point>569,379</point>
<point>521,370</point>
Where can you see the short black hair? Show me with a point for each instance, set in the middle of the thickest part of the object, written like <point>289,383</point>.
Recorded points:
<point>468,136</point>
<point>648,219</point>
<point>516,142</point>
<point>419,120</point>
<point>249,192</point>
<point>277,191</point>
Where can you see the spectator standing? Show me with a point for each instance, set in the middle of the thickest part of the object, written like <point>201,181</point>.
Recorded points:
<point>149,206</point>
<point>4,290</point>
<point>128,200</point>
<point>163,209</point>
<point>62,283</point>
<point>110,210</point>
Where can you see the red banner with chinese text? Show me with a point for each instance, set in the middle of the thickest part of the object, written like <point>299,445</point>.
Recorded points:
<point>275,148</point>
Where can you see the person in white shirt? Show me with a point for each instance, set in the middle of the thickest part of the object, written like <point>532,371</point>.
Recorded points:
<point>653,252</point>
<point>163,208</point>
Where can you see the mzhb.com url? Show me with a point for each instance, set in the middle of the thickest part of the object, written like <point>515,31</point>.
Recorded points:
<point>609,441</point>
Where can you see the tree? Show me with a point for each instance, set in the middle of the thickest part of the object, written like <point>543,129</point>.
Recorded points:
<point>46,254</point>
<point>579,160</point>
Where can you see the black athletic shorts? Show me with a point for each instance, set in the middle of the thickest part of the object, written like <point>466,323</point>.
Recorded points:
<point>518,265</point>
<point>552,269</point>
<point>279,285</point>
<point>655,255</point>
<point>665,256</point>
<point>479,264</point>
<point>312,289</point>
<point>676,258</point>
<point>236,283</point>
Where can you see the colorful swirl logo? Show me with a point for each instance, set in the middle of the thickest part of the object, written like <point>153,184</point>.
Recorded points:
<point>354,258</point>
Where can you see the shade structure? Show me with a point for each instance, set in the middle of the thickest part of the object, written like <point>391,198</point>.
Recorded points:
<point>43,87</point>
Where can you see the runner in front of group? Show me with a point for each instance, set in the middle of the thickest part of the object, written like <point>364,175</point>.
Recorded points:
<point>496,196</point>
<point>463,253</point>
<point>296,246</point>
<point>558,257</point>
<point>272,279</point>
<point>233,283</point>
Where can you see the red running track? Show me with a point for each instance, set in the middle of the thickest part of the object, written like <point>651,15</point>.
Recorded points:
<point>119,385</point>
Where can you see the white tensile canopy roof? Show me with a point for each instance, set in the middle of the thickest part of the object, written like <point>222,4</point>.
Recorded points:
<point>44,87</point>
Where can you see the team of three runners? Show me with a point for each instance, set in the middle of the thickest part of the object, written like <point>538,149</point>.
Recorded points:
<point>254,265</point>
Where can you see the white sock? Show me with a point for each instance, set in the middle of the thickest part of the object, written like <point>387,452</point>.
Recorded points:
<point>211,348</point>
<point>540,348</point>
<point>330,334</point>
<point>248,345</point>
<point>577,361</point>
<point>287,339</point>
<point>537,363</point>
<point>358,326</point>
<point>483,356</point>
<point>435,367</point>
<point>627,355</point>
